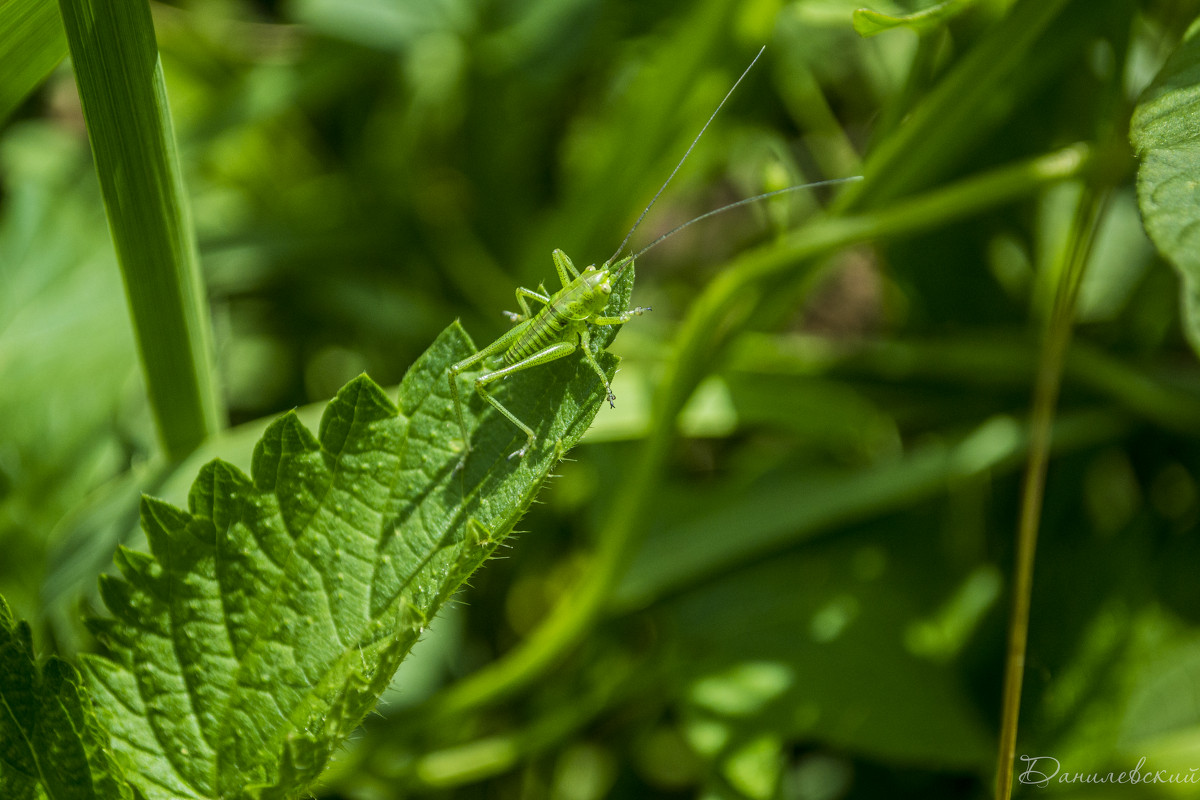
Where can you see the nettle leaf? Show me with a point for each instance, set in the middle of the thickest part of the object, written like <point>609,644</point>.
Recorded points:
<point>1165,131</point>
<point>51,743</point>
<point>269,617</point>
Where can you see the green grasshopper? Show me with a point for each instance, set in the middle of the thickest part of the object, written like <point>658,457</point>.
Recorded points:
<point>556,331</point>
<point>561,325</point>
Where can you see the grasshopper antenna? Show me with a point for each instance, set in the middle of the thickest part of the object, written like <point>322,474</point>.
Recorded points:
<point>746,201</point>
<point>662,188</point>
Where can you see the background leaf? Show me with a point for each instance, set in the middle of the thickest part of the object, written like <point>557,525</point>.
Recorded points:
<point>786,657</point>
<point>61,288</point>
<point>868,22</point>
<point>1166,134</point>
<point>51,743</point>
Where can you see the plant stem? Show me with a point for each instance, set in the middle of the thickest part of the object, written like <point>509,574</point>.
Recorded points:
<point>1045,398</point>
<point>124,98</point>
<point>995,359</point>
<point>371,771</point>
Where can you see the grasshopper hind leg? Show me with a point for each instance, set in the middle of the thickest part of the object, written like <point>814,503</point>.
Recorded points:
<point>481,388</point>
<point>551,353</point>
<point>460,367</point>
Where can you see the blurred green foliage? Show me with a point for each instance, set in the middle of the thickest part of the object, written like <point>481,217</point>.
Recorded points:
<point>814,603</point>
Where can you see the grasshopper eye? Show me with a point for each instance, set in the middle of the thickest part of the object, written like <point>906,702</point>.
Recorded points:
<point>606,288</point>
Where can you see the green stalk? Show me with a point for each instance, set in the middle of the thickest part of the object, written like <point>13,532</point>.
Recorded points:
<point>448,767</point>
<point>1045,398</point>
<point>124,100</point>
<point>993,359</point>
<point>719,312</point>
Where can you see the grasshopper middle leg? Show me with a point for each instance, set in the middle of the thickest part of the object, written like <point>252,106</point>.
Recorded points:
<point>523,297</point>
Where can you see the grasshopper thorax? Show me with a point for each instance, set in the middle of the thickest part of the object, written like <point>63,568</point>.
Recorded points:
<point>588,294</point>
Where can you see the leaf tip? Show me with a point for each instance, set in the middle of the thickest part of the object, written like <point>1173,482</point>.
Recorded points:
<point>868,23</point>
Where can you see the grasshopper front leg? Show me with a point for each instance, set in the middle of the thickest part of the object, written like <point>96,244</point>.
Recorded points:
<point>590,355</point>
<point>564,267</point>
<point>621,320</point>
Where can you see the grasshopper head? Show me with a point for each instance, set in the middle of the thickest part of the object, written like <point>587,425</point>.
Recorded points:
<point>599,282</point>
<point>602,279</point>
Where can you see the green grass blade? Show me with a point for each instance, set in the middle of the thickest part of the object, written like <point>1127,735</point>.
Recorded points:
<point>31,45</point>
<point>129,124</point>
<point>800,505</point>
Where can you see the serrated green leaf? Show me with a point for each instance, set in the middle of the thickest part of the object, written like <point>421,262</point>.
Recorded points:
<point>274,611</point>
<point>1165,131</point>
<point>51,742</point>
<point>869,23</point>
<point>31,45</point>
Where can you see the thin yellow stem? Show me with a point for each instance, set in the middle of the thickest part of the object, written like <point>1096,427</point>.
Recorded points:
<point>1045,399</point>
